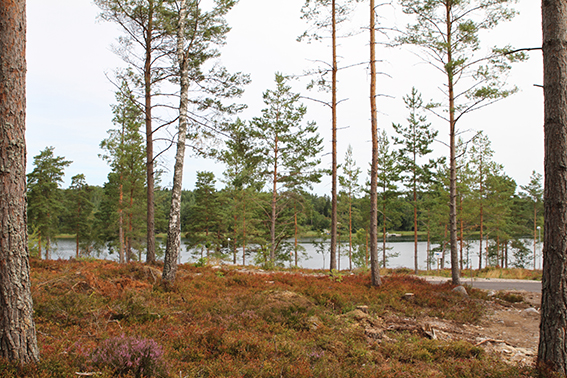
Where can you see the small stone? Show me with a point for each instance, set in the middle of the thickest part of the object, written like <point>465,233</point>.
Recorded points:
<point>461,290</point>
<point>530,311</point>
<point>363,309</point>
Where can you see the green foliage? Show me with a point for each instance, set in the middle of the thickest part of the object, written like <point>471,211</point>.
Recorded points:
<point>44,197</point>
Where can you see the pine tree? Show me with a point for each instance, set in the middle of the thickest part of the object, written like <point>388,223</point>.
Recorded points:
<point>44,196</point>
<point>288,149</point>
<point>388,176</point>
<point>124,151</point>
<point>18,342</point>
<point>534,192</point>
<point>351,188</point>
<point>80,210</point>
<point>448,32</point>
<point>415,140</point>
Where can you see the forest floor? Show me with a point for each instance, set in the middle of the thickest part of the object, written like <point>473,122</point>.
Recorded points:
<point>98,318</point>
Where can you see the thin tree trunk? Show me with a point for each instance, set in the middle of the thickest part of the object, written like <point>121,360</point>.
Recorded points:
<point>415,219</point>
<point>481,218</point>
<point>274,204</point>
<point>455,271</point>
<point>553,339</point>
<point>535,233</point>
<point>121,223</point>
<point>17,329</point>
<point>350,231</point>
<point>77,230</point>
<point>461,241</point>
<point>243,228</point>
<point>334,140</point>
<point>150,216</point>
<point>374,264</point>
<point>295,224</point>
<point>174,228</point>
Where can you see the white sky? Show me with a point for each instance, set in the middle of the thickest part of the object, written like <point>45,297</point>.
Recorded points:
<point>69,96</point>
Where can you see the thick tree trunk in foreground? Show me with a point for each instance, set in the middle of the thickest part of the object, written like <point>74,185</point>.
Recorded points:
<point>17,330</point>
<point>553,338</point>
<point>374,264</point>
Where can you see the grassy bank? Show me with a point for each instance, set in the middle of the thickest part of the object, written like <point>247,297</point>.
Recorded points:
<point>228,323</point>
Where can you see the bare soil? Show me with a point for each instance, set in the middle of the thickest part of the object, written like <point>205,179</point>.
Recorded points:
<point>510,330</point>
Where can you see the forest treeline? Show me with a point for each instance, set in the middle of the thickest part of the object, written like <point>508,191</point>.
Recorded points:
<point>234,222</point>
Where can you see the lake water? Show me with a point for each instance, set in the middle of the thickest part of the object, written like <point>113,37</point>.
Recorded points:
<point>403,250</point>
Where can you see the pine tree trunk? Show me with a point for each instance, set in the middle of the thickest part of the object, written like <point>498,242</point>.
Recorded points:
<point>415,220</point>
<point>374,264</point>
<point>121,222</point>
<point>535,233</point>
<point>334,140</point>
<point>274,204</point>
<point>17,329</point>
<point>553,338</point>
<point>174,227</point>
<point>350,231</point>
<point>243,229</point>
<point>455,272</point>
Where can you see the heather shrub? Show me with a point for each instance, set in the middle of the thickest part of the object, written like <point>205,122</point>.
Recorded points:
<point>129,355</point>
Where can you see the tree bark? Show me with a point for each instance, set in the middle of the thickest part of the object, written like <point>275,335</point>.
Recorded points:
<point>174,227</point>
<point>455,272</point>
<point>553,326</point>
<point>17,329</point>
<point>274,204</point>
<point>374,264</point>
<point>333,258</point>
<point>150,215</point>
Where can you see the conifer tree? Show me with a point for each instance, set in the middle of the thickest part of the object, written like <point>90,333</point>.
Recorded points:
<point>534,192</point>
<point>448,32</point>
<point>351,188</point>
<point>288,149</point>
<point>124,151</point>
<point>415,140</point>
<point>388,176</point>
<point>80,209</point>
<point>44,196</point>
<point>18,342</point>
<point>325,16</point>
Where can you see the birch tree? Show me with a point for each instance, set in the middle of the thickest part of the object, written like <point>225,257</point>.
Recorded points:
<point>198,35</point>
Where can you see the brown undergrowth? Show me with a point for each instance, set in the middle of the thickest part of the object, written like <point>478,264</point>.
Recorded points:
<point>233,323</point>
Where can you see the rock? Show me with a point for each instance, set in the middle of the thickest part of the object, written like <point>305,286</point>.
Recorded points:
<point>314,323</point>
<point>363,309</point>
<point>530,312</point>
<point>461,290</point>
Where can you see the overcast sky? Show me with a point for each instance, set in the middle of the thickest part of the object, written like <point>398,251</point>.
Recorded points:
<point>69,96</point>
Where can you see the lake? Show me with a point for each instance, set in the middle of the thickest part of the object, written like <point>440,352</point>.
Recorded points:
<point>403,249</point>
